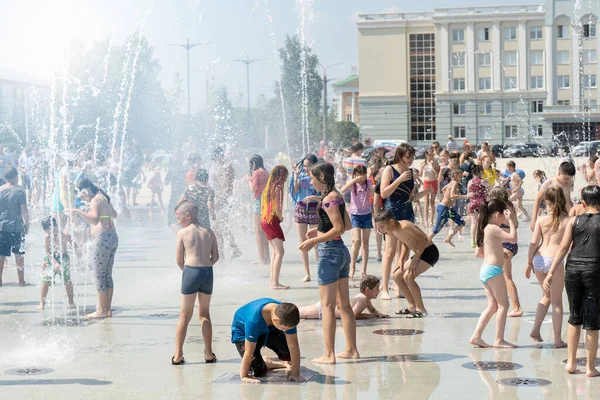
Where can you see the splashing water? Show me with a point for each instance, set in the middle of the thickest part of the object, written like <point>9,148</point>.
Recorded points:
<point>305,8</point>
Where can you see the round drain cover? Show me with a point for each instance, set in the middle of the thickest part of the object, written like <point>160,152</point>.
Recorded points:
<point>582,361</point>
<point>158,315</point>
<point>398,332</point>
<point>524,382</point>
<point>492,365</point>
<point>28,371</point>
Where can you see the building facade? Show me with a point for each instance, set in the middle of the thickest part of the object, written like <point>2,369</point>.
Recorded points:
<point>505,74</point>
<point>347,94</point>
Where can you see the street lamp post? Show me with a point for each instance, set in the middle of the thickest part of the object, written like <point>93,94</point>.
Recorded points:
<point>248,61</point>
<point>325,81</point>
<point>188,46</point>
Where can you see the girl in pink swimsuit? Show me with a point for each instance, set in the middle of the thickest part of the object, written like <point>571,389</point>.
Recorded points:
<point>479,188</point>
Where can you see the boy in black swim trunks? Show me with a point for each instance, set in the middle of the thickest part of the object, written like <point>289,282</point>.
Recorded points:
<point>426,255</point>
<point>197,252</point>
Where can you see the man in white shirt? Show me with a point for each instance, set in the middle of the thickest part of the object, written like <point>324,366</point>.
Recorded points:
<point>451,145</point>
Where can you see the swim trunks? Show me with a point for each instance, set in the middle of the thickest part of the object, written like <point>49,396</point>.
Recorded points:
<point>197,280</point>
<point>430,255</point>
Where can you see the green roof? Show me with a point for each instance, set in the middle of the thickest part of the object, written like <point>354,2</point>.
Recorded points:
<point>352,80</point>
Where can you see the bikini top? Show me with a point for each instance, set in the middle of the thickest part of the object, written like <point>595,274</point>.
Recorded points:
<point>325,224</point>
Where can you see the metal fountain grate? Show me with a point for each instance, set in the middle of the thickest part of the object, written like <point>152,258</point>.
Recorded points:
<point>398,332</point>
<point>492,366</point>
<point>582,361</point>
<point>29,371</point>
<point>529,382</point>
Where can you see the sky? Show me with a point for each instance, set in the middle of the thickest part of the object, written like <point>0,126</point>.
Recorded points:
<point>35,32</point>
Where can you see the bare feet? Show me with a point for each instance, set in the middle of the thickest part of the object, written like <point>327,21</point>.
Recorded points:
<point>279,286</point>
<point>503,344</point>
<point>478,342</point>
<point>449,241</point>
<point>306,278</point>
<point>349,354</point>
<point>592,373</point>
<point>324,360</point>
<point>24,283</point>
<point>385,296</point>
<point>516,313</point>
<point>571,368</point>
<point>96,315</point>
<point>351,275</point>
<point>559,344</point>
<point>41,306</point>
<point>363,274</point>
<point>536,336</point>
<point>109,314</point>
<point>256,262</point>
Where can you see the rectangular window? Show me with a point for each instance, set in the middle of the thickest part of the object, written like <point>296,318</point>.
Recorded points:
<point>589,81</point>
<point>485,59</point>
<point>349,101</point>
<point>589,31</point>
<point>485,84</point>
<point>564,102</point>
<point>511,131</point>
<point>458,59</point>
<point>349,117</point>
<point>458,35</point>
<point>562,31</point>
<point>536,57</point>
<point>459,107</point>
<point>589,56</point>
<point>485,131</point>
<point>460,132</point>
<point>537,106</point>
<point>510,83</point>
<point>458,84</point>
<point>535,33</point>
<point>509,58</point>
<point>510,33</point>
<point>537,130</point>
<point>510,107</point>
<point>484,34</point>
<point>537,82</point>
<point>485,108</point>
<point>562,82</point>
<point>562,57</point>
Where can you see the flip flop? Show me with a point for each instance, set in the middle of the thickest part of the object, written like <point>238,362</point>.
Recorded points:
<point>404,311</point>
<point>214,359</point>
<point>181,362</point>
<point>415,314</point>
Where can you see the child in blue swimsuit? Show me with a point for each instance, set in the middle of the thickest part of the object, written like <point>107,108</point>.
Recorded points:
<point>489,239</point>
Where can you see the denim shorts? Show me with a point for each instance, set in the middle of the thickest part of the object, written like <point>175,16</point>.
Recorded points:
<point>334,262</point>
<point>401,211</point>
<point>362,221</point>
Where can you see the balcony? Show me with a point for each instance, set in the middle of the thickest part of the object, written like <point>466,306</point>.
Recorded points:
<point>489,10</point>
<point>395,16</point>
<point>572,113</point>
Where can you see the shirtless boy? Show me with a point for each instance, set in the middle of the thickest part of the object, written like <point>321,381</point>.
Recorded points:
<point>196,252</point>
<point>426,255</point>
<point>369,290</point>
<point>564,179</point>
<point>515,185</point>
<point>445,210</point>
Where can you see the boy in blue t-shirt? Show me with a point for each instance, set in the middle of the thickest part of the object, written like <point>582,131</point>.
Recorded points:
<point>266,323</point>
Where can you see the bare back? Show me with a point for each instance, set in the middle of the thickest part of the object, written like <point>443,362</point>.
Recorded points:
<point>199,246</point>
<point>551,239</point>
<point>105,212</point>
<point>411,236</point>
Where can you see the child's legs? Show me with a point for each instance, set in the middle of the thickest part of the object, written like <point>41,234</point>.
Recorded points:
<point>309,312</point>
<point>159,195</point>
<point>258,234</point>
<point>185,315</point>
<point>556,299</point>
<point>519,201</point>
<point>279,251</point>
<point>152,201</point>
<point>510,284</point>
<point>498,287</point>
<point>20,261</point>
<point>427,208</point>
<point>442,219</point>
<point>347,314</point>
<point>474,217</point>
<point>591,346</point>
<point>542,307</point>
<point>386,266</point>
<point>43,291</point>
<point>573,335</point>
<point>356,245</point>
<point>365,235</point>
<point>487,314</point>
<point>204,314</point>
<point>413,287</point>
<point>302,229</point>
<point>328,295</point>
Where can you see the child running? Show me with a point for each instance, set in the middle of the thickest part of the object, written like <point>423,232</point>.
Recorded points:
<point>425,256</point>
<point>271,218</point>
<point>489,239</point>
<point>445,210</point>
<point>156,186</point>
<point>582,279</point>
<point>369,290</point>
<point>478,188</point>
<point>56,262</point>
<point>547,235</point>
<point>540,178</point>
<point>196,252</point>
<point>360,213</point>
<point>515,184</point>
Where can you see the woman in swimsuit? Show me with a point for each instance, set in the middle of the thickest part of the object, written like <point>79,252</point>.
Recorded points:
<point>429,172</point>
<point>547,235</point>
<point>104,244</point>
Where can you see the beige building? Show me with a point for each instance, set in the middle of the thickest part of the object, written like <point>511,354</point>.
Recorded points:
<point>503,74</point>
<point>347,95</point>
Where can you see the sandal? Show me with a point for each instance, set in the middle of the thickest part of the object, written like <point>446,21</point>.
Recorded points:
<point>415,314</point>
<point>404,311</point>
<point>211,361</point>
<point>181,362</point>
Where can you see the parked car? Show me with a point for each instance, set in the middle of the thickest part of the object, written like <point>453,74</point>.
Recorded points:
<point>498,150</point>
<point>518,150</point>
<point>420,150</point>
<point>549,150</point>
<point>535,147</point>
<point>585,148</point>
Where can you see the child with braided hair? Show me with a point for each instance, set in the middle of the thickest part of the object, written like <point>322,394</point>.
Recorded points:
<point>271,218</point>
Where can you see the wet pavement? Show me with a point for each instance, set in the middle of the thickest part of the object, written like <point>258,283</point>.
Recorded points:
<point>54,354</point>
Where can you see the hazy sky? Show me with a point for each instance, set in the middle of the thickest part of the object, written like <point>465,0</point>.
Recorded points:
<point>34,32</point>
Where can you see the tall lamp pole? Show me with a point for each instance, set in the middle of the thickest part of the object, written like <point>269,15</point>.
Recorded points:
<point>188,46</point>
<point>249,61</point>
<point>325,81</point>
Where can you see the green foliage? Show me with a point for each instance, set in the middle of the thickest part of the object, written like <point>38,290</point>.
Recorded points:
<point>10,139</point>
<point>343,132</point>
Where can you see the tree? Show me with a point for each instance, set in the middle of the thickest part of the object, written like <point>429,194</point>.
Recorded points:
<point>343,132</point>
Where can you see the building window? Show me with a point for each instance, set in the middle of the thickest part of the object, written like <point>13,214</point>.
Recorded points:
<point>510,83</point>
<point>537,130</point>
<point>535,33</point>
<point>485,108</point>
<point>562,57</point>
<point>460,132</point>
<point>485,131</point>
<point>589,56</point>
<point>511,131</point>
<point>509,58</point>
<point>484,34</point>
<point>349,101</point>
<point>562,31</point>
<point>458,59</point>
<point>458,35</point>
<point>589,31</point>
<point>348,117</point>
<point>458,84</point>
<point>422,87</point>
<point>537,82</point>
<point>485,84</point>
<point>589,81</point>
<point>564,102</point>
<point>485,59</point>
<point>510,33</point>
<point>537,106</point>
<point>536,57</point>
<point>459,108</point>
<point>562,82</point>
<point>510,107</point>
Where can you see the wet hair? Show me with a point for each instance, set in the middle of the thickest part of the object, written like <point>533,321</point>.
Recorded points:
<point>593,158</point>
<point>566,168</point>
<point>368,282</point>
<point>49,223</point>
<point>591,195</point>
<point>540,173</point>
<point>403,150</point>
<point>256,162</point>
<point>356,147</point>
<point>11,174</point>
<point>202,175</point>
<point>311,158</point>
<point>429,153</point>
<point>84,183</point>
<point>272,195</point>
<point>511,164</point>
<point>359,170</point>
<point>556,196</point>
<point>288,314</point>
<point>384,216</point>
<point>454,155</point>
<point>486,209</point>
<point>499,193</point>
<point>456,172</point>
<point>377,163</point>
<point>187,206</point>
<point>477,170</point>
<point>328,172</point>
